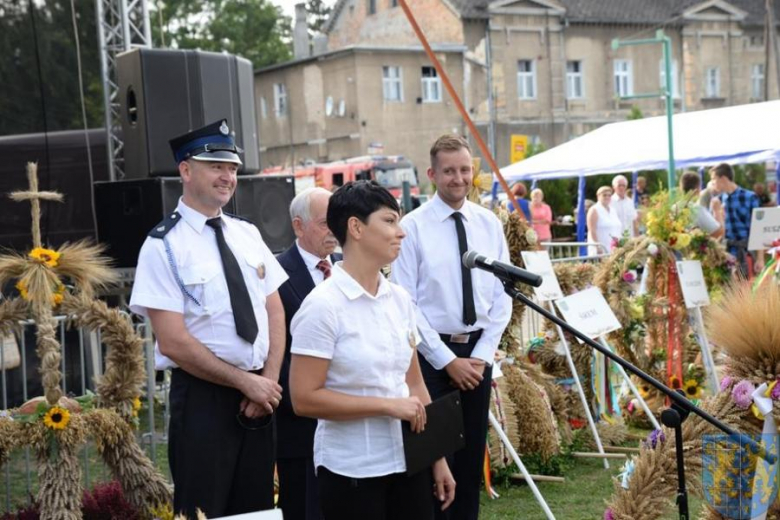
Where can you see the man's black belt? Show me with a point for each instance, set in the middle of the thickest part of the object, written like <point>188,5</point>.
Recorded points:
<point>462,339</point>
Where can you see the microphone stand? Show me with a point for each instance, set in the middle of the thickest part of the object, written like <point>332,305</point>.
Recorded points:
<point>672,417</point>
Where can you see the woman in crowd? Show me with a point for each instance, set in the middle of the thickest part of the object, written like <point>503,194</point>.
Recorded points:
<point>690,185</point>
<point>355,368</point>
<point>603,223</point>
<point>520,191</point>
<point>541,214</point>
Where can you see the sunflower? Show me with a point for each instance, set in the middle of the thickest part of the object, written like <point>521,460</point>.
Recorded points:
<point>644,391</point>
<point>56,418</point>
<point>692,389</point>
<point>674,382</point>
<point>136,406</point>
<point>48,257</point>
<point>22,288</point>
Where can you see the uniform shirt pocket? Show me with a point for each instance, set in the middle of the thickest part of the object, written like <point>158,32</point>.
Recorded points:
<point>206,283</point>
<point>255,276</point>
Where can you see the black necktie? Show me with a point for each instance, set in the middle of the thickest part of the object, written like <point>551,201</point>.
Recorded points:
<point>469,314</point>
<point>240,302</point>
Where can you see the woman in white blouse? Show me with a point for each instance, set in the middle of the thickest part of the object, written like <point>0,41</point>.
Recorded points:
<point>603,223</point>
<point>355,368</point>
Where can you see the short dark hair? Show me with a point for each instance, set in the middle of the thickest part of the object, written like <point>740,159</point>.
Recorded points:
<point>690,181</point>
<point>356,199</point>
<point>723,170</point>
<point>447,143</point>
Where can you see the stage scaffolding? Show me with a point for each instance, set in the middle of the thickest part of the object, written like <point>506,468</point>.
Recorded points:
<point>122,25</point>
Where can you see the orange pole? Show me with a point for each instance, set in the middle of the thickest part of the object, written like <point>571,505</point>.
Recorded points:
<point>464,114</point>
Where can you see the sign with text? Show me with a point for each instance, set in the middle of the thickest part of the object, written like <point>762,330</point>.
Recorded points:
<point>694,288</point>
<point>538,262</point>
<point>588,312</point>
<point>518,148</point>
<point>764,228</point>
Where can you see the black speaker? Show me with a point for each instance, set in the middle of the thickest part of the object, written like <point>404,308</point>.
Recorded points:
<point>165,93</point>
<point>128,210</point>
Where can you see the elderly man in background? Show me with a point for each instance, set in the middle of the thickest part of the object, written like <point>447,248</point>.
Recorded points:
<point>623,206</point>
<point>308,263</point>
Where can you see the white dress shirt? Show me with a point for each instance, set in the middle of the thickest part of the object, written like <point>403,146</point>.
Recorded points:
<point>369,341</point>
<point>197,269</point>
<point>626,213</point>
<point>429,267</point>
<point>311,262</point>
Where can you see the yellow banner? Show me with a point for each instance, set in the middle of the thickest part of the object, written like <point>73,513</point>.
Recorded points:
<point>518,148</point>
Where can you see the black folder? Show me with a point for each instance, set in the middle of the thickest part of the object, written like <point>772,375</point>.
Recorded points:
<point>443,434</point>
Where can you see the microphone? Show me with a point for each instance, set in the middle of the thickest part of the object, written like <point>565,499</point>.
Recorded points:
<point>474,260</point>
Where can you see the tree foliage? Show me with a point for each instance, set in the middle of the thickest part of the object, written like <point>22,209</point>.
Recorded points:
<point>318,13</point>
<point>254,29</point>
<point>31,100</point>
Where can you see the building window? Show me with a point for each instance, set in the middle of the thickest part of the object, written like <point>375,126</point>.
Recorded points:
<point>280,99</point>
<point>431,85</point>
<point>757,81</point>
<point>756,41</point>
<point>675,81</point>
<point>391,84</point>
<point>371,6</point>
<point>712,85</point>
<point>624,79</point>
<point>263,108</point>
<point>574,80</point>
<point>526,79</point>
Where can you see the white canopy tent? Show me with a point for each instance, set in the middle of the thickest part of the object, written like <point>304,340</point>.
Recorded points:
<point>739,134</point>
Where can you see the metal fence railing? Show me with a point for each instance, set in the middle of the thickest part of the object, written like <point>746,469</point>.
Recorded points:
<point>83,355</point>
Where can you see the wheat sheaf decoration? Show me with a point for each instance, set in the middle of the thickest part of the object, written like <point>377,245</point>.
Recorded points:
<point>745,324</point>
<point>65,280</point>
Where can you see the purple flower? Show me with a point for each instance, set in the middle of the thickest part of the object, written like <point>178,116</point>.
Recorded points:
<point>655,438</point>
<point>608,514</point>
<point>725,383</point>
<point>742,394</point>
<point>776,391</point>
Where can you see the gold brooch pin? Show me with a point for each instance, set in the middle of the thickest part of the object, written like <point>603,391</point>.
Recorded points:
<point>261,271</point>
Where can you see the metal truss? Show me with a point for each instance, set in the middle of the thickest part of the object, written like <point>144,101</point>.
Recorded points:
<point>122,25</point>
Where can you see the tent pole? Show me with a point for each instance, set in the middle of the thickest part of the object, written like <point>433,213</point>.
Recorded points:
<point>581,213</point>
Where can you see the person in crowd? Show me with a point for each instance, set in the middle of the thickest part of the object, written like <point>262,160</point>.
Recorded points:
<point>623,206</point>
<point>690,185</point>
<point>764,199</point>
<point>461,313</point>
<point>520,191</point>
<point>542,216</point>
<point>640,190</point>
<point>738,205</point>
<point>355,368</point>
<point>642,210</point>
<point>603,223</point>
<point>308,262</point>
<point>208,283</point>
<point>709,198</point>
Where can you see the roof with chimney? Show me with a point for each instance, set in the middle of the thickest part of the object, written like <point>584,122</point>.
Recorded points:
<point>634,12</point>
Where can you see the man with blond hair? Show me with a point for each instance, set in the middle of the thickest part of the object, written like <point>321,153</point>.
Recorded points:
<point>461,313</point>
<point>623,206</point>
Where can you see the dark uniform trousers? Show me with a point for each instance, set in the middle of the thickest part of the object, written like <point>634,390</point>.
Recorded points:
<point>218,465</point>
<point>466,464</point>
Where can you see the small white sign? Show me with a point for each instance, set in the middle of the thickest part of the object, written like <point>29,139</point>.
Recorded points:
<point>588,312</point>
<point>538,262</point>
<point>764,228</point>
<point>694,288</point>
<point>272,514</point>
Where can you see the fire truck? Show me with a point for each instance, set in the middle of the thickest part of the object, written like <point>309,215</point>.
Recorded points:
<point>388,170</point>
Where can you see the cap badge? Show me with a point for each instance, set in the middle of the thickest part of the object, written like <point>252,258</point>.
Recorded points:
<point>223,128</point>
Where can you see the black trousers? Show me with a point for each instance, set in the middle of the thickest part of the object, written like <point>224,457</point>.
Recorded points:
<point>299,497</point>
<point>218,465</point>
<point>390,497</point>
<point>466,465</point>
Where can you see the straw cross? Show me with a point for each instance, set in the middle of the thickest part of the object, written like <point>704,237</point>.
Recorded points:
<point>35,197</point>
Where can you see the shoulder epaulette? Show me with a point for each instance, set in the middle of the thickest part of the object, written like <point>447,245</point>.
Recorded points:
<point>161,229</point>
<point>238,217</point>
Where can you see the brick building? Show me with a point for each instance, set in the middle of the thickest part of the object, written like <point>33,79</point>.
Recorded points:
<point>548,63</point>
